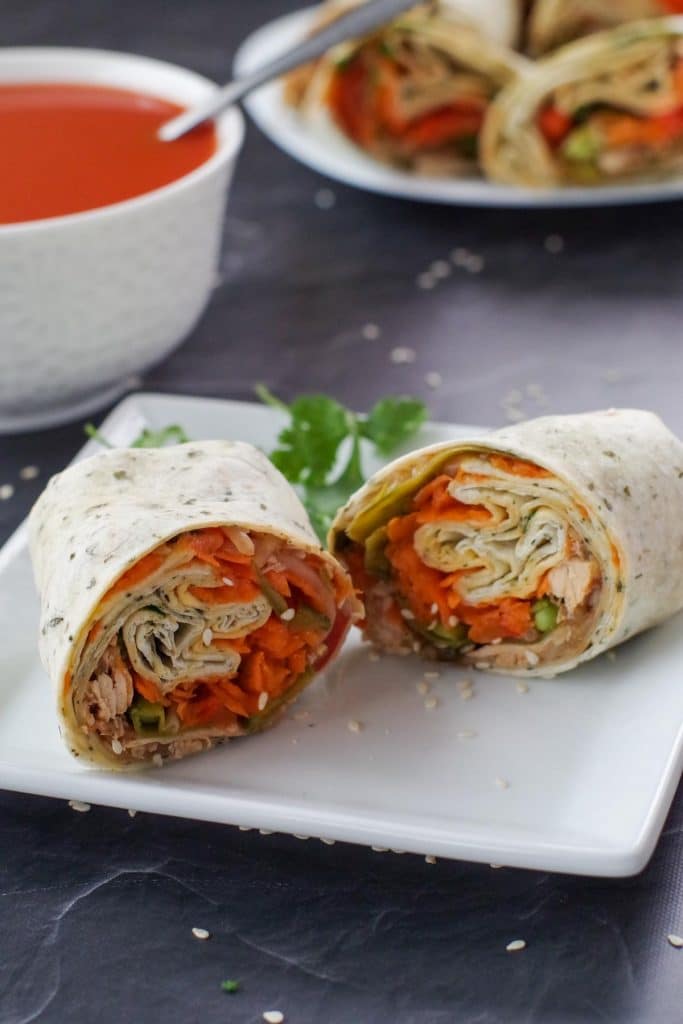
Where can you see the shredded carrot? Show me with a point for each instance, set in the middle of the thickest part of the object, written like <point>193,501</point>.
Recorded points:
<point>147,689</point>
<point>510,618</point>
<point>517,467</point>
<point>67,682</point>
<point>444,125</point>
<point>138,572</point>
<point>554,125</point>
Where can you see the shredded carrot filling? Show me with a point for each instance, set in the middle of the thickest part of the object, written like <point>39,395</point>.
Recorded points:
<point>364,97</point>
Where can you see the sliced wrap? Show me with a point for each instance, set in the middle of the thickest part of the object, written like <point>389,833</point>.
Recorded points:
<point>552,23</point>
<point>604,109</point>
<point>416,92</point>
<point>526,551</point>
<point>184,599</point>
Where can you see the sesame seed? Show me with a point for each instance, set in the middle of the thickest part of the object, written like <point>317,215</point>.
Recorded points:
<point>495,866</point>
<point>431,703</point>
<point>117,746</point>
<point>516,945</point>
<point>452,621</point>
<point>402,354</point>
<point>464,684</point>
<point>354,725</point>
<point>328,842</point>
<point>245,828</point>
<point>422,687</point>
<point>466,734</point>
<point>6,492</point>
<point>425,281</point>
<point>265,832</point>
<point>554,244</point>
<point>325,199</point>
<point>297,836</point>
<point>522,688</point>
<point>207,637</point>
<point>262,700</point>
<point>433,380</point>
<point>434,609</point>
<point>273,1016</point>
<point>131,812</point>
<point>532,658</point>
<point>227,582</point>
<point>407,614</point>
<point>432,675</point>
<point>502,783</point>
<point>440,269</point>
<point>466,694</point>
<point>29,472</point>
<point>288,615</point>
<point>200,933</point>
<point>675,940</point>
<point>157,760</point>
<point>429,859</point>
<point>371,332</point>
<point>78,805</point>
<point>380,849</point>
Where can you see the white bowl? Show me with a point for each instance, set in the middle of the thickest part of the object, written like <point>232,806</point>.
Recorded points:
<point>90,299</point>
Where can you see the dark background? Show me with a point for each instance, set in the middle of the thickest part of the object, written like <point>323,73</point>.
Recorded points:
<point>96,909</point>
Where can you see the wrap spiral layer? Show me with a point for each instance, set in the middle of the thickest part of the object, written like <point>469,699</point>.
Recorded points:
<point>184,599</point>
<point>527,551</point>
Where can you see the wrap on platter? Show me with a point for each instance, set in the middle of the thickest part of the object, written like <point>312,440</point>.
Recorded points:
<point>525,551</point>
<point>605,109</point>
<point>415,93</point>
<point>184,599</point>
<point>552,23</point>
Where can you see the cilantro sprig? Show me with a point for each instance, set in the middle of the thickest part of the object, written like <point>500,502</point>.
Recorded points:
<point>321,433</point>
<point>173,434</point>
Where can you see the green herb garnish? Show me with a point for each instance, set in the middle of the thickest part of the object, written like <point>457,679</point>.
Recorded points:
<point>229,985</point>
<point>173,434</point>
<point>322,433</point>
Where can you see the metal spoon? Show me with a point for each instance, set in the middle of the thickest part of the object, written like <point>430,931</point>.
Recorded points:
<point>358,22</point>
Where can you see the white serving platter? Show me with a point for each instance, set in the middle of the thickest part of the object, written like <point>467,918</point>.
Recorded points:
<point>318,144</point>
<point>591,759</point>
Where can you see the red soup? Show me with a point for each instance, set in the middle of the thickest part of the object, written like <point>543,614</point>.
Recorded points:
<point>67,148</point>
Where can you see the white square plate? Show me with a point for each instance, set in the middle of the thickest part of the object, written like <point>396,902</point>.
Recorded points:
<point>591,760</point>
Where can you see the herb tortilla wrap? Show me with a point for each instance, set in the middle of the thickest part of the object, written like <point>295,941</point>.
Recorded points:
<point>184,599</point>
<point>552,23</point>
<point>605,109</point>
<point>526,551</point>
<point>415,93</point>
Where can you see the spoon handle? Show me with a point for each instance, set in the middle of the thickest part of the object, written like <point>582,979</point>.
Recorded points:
<point>358,22</point>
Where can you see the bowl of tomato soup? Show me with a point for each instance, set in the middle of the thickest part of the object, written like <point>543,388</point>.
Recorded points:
<point>109,238</point>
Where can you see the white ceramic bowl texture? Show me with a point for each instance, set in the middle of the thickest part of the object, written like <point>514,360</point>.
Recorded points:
<point>89,299</point>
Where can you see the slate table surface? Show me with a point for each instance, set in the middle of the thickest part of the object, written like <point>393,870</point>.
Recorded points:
<point>96,909</point>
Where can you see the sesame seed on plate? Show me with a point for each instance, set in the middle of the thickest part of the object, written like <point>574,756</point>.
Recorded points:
<point>433,380</point>
<point>354,725</point>
<point>522,687</point>
<point>328,842</point>
<point>6,492</point>
<point>553,244</point>
<point>227,581</point>
<point>502,783</point>
<point>78,805</point>
<point>265,832</point>
<point>288,615</point>
<point>675,940</point>
<point>200,933</point>
<point>273,1016</point>
<point>297,835</point>
<point>407,614</point>
<point>207,637</point>
<point>117,746</point>
<point>245,828</point>
<point>371,332</point>
<point>325,199</point>
<point>262,700</point>
<point>422,687</point>
<point>466,694</point>
<point>380,849</point>
<point>402,354</point>
<point>515,946</point>
<point>495,866</point>
<point>29,472</point>
<point>431,703</point>
<point>430,859</point>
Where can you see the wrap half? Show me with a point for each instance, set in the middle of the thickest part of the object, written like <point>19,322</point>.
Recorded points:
<point>184,599</point>
<point>416,92</point>
<point>604,109</point>
<point>552,23</point>
<point>526,551</point>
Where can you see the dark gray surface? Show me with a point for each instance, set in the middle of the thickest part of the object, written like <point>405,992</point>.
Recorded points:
<point>96,909</point>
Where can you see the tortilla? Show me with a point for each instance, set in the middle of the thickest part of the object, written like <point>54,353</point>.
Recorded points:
<point>184,599</point>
